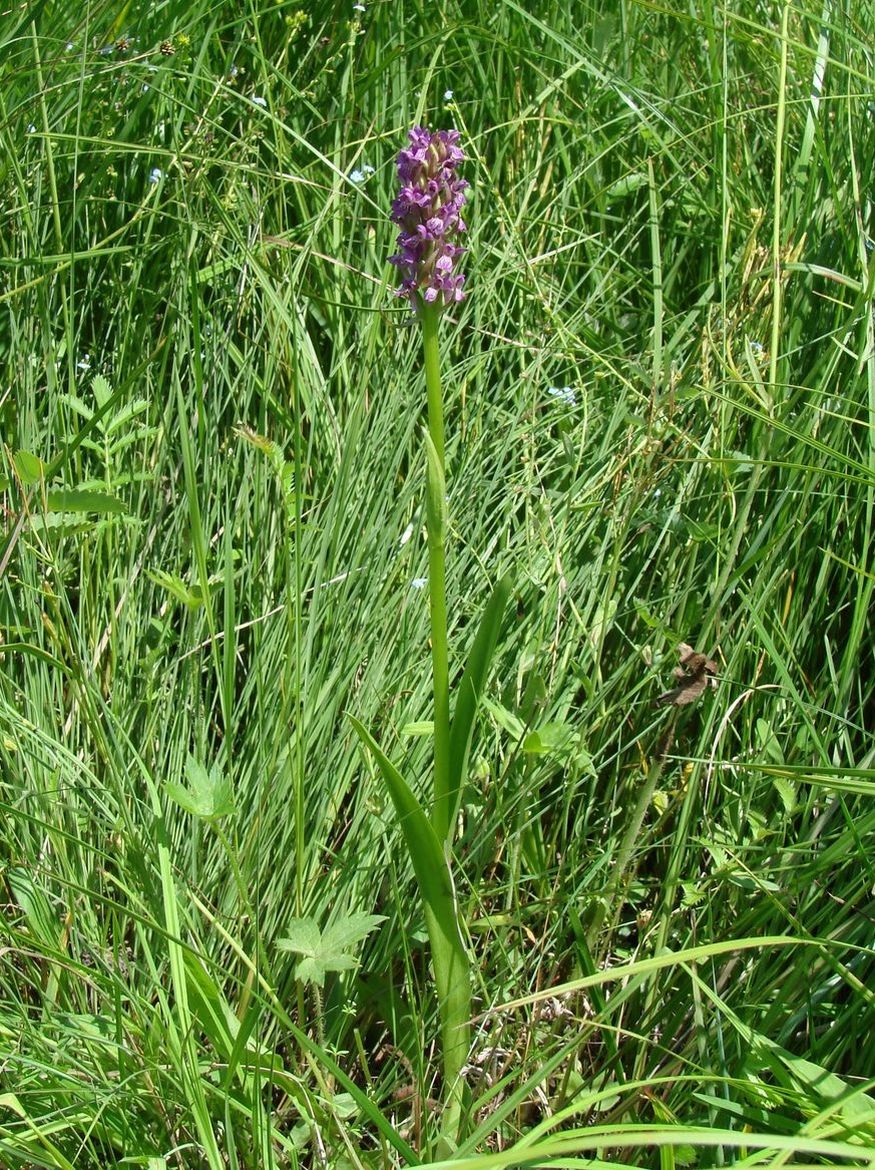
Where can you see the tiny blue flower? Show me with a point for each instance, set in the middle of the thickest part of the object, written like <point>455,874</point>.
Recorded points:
<point>155,175</point>
<point>448,95</point>
<point>356,177</point>
<point>419,582</point>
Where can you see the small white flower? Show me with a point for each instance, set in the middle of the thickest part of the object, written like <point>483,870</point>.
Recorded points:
<point>448,95</point>
<point>144,88</point>
<point>359,8</point>
<point>155,175</point>
<point>84,362</point>
<point>258,100</point>
<point>406,535</point>
<point>419,582</point>
<point>563,394</point>
<point>368,169</point>
<point>69,46</point>
<point>31,129</point>
<point>356,177</point>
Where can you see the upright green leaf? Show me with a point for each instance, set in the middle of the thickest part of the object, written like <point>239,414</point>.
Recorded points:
<point>449,957</point>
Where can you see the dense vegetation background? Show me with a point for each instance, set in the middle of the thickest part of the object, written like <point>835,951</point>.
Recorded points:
<point>661,419</point>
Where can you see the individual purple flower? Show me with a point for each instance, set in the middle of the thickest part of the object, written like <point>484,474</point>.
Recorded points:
<point>428,211</point>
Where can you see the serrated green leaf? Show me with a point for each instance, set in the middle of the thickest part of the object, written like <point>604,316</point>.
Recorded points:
<point>224,804</point>
<point>101,389</point>
<point>209,794</point>
<point>349,930</point>
<point>786,791</point>
<point>75,403</point>
<point>303,937</point>
<point>685,1155</point>
<point>177,588</point>
<point>63,523</point>
<point>314,970</point>
<point>339,962</point>
<point>126,415</point>
<point>287,479</point>
<point>328,951</point>
<point>181,796</point>
<point>309,970</point>
<point>693,895</point>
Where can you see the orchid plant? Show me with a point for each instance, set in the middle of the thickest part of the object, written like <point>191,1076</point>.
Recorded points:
<point>428,211</point>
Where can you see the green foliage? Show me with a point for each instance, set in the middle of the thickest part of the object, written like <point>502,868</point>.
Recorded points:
<point>449,956</point>
<point>29,468</point>
<point>216,348</point>
<point>329,950</point>
<point>209,794</point>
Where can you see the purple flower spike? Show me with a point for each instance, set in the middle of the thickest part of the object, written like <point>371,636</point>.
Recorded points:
<point>427,210</point>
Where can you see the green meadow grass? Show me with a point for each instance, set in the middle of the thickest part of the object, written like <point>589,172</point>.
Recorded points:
<point>213,548</point>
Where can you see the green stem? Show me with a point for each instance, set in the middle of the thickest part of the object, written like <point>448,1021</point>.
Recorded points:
<point>435,508</point>
<point>452,974</point>
<point>453,985</point>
